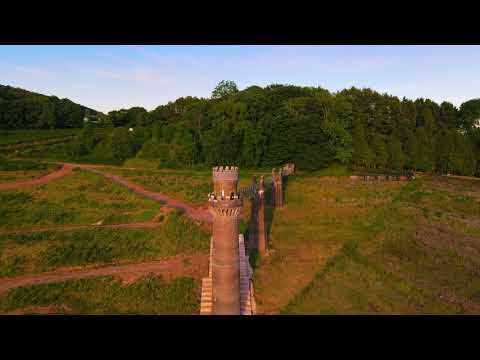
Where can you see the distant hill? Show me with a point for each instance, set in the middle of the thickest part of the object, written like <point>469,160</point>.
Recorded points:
<point>22,109</point>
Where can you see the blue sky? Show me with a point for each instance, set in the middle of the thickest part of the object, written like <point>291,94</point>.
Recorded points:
<point>113,77</point>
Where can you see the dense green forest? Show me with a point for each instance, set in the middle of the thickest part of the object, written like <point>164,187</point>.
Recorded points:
<point>309,126</point>
<point>21,109</point>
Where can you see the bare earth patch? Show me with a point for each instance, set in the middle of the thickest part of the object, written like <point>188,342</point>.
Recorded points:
<point>65,170</point>
<point>170,268</point>
<point>440,236</point>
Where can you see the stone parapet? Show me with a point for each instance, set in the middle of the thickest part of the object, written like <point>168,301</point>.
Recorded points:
<point>225,180</point>
<point>225,173</point>
<point>225,206</point>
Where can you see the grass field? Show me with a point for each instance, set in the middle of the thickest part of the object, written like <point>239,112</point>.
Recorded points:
<point>15,170</point>
<point>51,145</point>
<point>85,198</point>
<point>33,252</point>
<point>46,152</point>
<point>10,137</point>
<point>339,246</point>
<point>149,295</point>
<point>349,247</point>
<point>56,152</point>
<point>81,198</point>
<point>186,185</point>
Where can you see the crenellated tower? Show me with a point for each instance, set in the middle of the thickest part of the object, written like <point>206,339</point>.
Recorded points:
<point>225,256</point>
<point>225,205</point>
<point>225,178</point>
<point>228,289</point>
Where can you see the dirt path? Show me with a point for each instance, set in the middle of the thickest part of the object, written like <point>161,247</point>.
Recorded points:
<point>190,211</point>
<point>194,266</point>
<point>197,214</point>
<point>65,170</point>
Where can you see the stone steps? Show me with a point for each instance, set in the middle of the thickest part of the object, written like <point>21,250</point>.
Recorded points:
<point>247,302</point>
<point>206,299</point>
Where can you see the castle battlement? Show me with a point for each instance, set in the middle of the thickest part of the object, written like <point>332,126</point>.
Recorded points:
<point>225,173</point>
<point>225,202</point>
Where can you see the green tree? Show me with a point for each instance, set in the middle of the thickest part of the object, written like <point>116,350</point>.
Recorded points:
<point>448,115</point>
<point>105,121</point>
<point>47,117</point>
<point>122,145</point>
<point>224,88</point>
<point>362,155</point>
<point>469,114</point>
<point>412,153</point>
<point>425,152</point>
<point>445,152</point>
<point>396,157</point>
<point>379,151</point>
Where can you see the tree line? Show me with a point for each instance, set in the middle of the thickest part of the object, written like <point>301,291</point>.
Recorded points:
<point>22,109</point>
<point>308,126</point>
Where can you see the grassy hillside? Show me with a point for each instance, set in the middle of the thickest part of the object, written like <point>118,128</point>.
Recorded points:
<point>22,109</point>
<point>14,137</point>
<point>349,247</point>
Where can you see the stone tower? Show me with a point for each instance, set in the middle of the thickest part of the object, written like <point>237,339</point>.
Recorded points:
<point>225,179</point>
<point>225,205</point>
<point>277,198</point>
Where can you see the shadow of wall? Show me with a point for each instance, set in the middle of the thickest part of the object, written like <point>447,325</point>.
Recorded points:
<point>269,216</point>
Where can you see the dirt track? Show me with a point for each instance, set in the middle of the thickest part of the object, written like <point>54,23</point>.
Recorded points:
<point>173,267</point>
<point>193,266</point>
<point>65,170</point>
<point>190,211</point>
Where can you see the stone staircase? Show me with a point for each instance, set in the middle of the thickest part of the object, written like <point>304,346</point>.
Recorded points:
<point>247,301</point>
<point>246,296</point>
<point>207,292</point>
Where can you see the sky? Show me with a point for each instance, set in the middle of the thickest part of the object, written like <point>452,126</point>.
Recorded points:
<point>111,77</point>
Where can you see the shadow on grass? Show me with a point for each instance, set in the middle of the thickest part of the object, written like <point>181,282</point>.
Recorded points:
<point>268,216</point>
<point>269,206</point>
